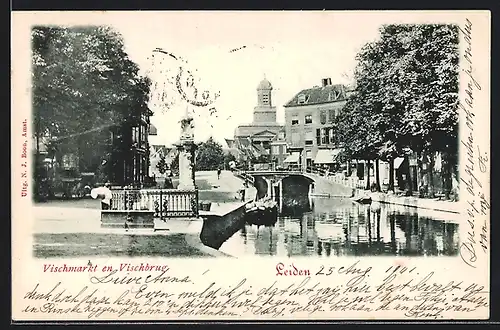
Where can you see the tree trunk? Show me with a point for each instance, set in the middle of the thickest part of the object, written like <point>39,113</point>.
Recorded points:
<point>447,176</point>
<point>368,163</point>
<point>409,178</point>
<point>391,175</point>
<point>420,174</point>
<point>377,174</point>
<point>431,176</point>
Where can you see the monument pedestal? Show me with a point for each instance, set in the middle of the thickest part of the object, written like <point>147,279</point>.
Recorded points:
<point>186,165</point>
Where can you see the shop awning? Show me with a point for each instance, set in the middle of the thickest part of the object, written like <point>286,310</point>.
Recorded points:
<point>397,162</point>
<point>293,158</point>
<point>327,156</point>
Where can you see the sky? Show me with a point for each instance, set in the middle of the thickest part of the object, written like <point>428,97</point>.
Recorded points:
<point>293,50</point>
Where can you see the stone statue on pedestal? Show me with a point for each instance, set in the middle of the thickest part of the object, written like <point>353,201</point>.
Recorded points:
<point>186,148</point>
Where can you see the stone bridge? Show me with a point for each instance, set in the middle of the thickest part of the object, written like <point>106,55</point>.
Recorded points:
<point>293,184</point>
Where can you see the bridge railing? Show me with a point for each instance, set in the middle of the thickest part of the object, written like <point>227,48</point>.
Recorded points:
<point>351,182</point>
<point>165,203</point>
<point>243,175</point>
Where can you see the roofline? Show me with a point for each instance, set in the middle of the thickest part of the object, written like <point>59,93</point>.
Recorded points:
<point>315,103</point>
<point>303,91</point>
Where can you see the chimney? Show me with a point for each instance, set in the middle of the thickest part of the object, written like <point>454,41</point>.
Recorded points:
<point>326,82</point>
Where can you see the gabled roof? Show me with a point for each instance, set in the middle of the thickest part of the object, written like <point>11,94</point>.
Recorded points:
<point>252,129</point>
<point>260,149</point>
<point>153,130</point>
<point>319,95</point>
<point>158,150</point>
<point>231,143</point>
<point>277,138</point>
<point>266,132</point>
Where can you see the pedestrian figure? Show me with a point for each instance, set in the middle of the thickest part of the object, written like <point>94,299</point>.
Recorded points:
<point>218,173</point>
<point>168,184</point>
<point>242,192</point>
<point>104,194</point>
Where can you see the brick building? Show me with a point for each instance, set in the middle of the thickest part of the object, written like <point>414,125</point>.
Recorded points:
<point>309,118</point>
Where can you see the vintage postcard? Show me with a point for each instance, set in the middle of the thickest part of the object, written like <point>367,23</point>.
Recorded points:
<point>329,165</point>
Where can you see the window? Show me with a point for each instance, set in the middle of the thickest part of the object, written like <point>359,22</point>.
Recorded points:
<point>324,136</point>
<point>309,138</point>
<point>318,136</point>
<point>331,115</point>
<point>135,134</point>
<point>295,122</point>
<point>322,117</point>
<point>144,137</point>
<point>302,99</point>
<point>308,119</point>
<point>295,138</point>
<point>309,135</point>
<point>331,135</point>
<point>265,98</point>
<point>333,96</point>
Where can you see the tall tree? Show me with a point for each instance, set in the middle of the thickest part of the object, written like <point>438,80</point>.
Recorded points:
<point>84,87</point>
<point>406,97</point>
<point>209,156</point>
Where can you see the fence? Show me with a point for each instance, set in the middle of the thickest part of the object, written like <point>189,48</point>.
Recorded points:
<point>351,182</point>
<point>244,176</point>
<point>165,203</point>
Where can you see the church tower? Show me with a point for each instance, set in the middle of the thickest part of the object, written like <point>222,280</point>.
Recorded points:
<point>264,112</point>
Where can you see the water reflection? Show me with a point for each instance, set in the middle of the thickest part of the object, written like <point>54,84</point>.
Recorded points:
<point>339,227</point>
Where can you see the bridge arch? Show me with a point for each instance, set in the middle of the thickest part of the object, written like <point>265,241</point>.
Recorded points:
<point>281,184</point>
<point>319,186</point>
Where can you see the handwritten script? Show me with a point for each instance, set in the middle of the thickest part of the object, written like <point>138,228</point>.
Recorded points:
<point>476,164</point>
<point>405,292</point>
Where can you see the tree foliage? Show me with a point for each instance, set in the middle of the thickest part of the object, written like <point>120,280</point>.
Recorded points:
<point>174,165</point>
<point>228,158</point>
<point>84,86</point>
<point>162,165</point>
<point>406,94</point>
<point>209,156</point>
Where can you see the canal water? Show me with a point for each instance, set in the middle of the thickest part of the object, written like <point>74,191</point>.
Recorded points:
<point>329,227</point>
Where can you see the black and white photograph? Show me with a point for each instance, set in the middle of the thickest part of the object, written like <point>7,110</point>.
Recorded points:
<point>257,136</point>
<point>272,152</point>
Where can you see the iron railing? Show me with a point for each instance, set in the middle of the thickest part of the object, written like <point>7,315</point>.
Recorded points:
<point>165,203</point>
<point>351,182</point>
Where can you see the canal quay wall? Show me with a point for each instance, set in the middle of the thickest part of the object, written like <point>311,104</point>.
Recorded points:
<point>326,188</point>
<point>420,203</point>
<point>221,222</point>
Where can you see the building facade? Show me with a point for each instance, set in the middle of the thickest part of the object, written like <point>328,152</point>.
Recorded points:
<point>309,118</point>
<point>254,140</point>
<point>118,154</point>
<point>279,149</point>
<point>158,150</point>
<point>130,151</point>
